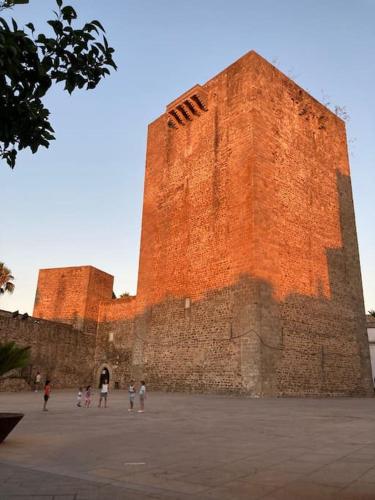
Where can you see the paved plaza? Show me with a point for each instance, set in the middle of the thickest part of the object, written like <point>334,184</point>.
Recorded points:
<point>189,447</point>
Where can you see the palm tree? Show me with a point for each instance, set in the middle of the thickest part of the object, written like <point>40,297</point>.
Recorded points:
<point>12,356</point>
<point>6,279</point>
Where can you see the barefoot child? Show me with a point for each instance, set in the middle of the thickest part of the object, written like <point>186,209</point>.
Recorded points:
<point>142,397</point>
<point>131,395</point>
<point>88,396</point>
<point>47,392</point>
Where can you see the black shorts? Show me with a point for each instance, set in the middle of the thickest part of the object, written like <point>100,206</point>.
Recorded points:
<point>46,398</point>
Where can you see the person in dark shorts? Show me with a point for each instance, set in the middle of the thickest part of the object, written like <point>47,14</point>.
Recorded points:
<point>132,392</point>
<point>47,392</point>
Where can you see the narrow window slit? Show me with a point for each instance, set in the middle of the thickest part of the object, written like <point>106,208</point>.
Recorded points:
<point>184,113</point>
<point>200,104</point>
<point>191,108</point>
<point>176,117</point>
<point>172,124</point>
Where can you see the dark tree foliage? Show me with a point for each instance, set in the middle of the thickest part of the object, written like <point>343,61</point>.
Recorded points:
<point>30,63</point>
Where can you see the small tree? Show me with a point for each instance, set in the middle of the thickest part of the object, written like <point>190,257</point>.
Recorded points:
<point>6,279</point>
<point>30,64</point>
<point>13,357</point>
<point>372,313</point>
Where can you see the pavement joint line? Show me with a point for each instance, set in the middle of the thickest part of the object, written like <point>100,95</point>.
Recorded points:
<point>125,486</point>
<point>357,479</point>
<point>338,460</point>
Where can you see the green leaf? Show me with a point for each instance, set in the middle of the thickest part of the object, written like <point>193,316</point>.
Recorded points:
<point>31,27</point>
<point>4,23</point>
<point>98,24</point>
<point>57,26</point>
<point>29,66</point>
<point>68,13</point>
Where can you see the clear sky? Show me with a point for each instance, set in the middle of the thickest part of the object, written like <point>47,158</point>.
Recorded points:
<point>80,201</point>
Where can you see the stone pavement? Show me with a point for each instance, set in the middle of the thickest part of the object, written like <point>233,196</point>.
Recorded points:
<point>189,447</point>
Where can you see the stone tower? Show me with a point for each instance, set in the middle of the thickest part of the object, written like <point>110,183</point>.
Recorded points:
<point>249,273</point>
<point>72,295</point>
<point>249,277</point>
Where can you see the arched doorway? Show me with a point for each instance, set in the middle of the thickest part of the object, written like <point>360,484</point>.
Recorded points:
<point>104,375</point>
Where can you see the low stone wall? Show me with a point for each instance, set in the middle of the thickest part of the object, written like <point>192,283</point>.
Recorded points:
<point>14,384</point>
<point>58,351</point>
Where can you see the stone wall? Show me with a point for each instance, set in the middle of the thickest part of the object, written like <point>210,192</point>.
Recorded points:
<point>58,351</point>
<point>115,340</point>
<point>248,215</point>
<point>249,277</point>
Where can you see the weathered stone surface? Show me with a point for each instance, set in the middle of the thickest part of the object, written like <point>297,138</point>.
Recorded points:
<point>249,277</point>
<point>72,295</point>
<point>58,351</point>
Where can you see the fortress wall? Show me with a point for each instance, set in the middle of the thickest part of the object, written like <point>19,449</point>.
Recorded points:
<point>115,339</point>
<point>251,201</point>
<point>305,239</point>
<point>249,277</point>
<point>117,309</point>
<point>196,223</point>
<point>58,351</point>
<point>196,229</point>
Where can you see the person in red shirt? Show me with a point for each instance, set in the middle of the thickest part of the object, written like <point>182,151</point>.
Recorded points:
<point>47,392</point>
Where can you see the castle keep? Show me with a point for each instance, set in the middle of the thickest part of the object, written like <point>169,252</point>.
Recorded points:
<point>249,277</point>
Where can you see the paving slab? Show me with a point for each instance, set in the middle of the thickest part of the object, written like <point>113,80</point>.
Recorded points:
<point>189,446</point>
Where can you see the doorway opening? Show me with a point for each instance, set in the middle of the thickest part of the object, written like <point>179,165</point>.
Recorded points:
<point>104,376</point>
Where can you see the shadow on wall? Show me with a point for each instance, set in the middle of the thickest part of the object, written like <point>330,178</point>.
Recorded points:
<point>241,339</point>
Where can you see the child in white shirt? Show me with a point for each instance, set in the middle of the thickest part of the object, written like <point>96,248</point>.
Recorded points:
<point>142,396</point>
<point>79,396</point>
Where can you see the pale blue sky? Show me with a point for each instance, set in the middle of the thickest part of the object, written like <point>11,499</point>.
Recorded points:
<point>80,201</point>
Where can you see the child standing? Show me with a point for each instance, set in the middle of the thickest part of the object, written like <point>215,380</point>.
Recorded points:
<point>38,379</point>
<point>79,397</point>
<point>142,396</point>
<point>47,392</point>
<point>103,394</point>
<point>88,396</point>
<point>131,395</point>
